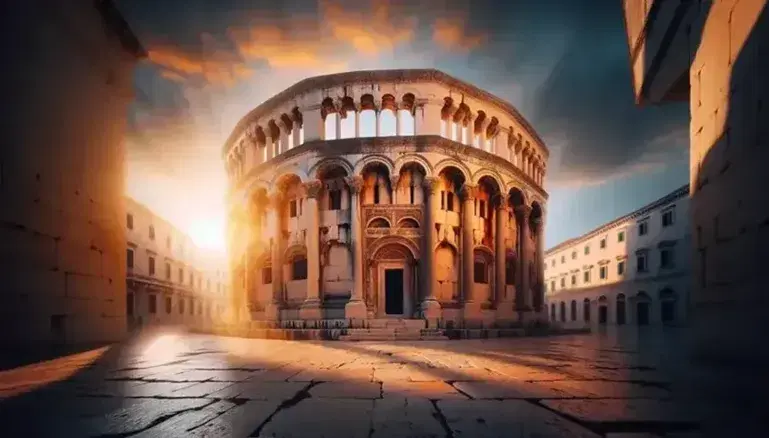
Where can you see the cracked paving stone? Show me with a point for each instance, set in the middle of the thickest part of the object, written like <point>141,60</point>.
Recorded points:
<point>178,424</point>
<point>137,415</point>
<point>602,389</point>
<point>238,421</point>
<point>362,390</point>
<point>508,419</point>
<point>154,389</point>
<point>421,390</point>
<point>223,375</point>
<point>405,417</point>
<point>629,410</point>
<point>201,389</point>
<point>509,389</point>
<point>273,391</point>
<point>322,418</point>
<point>334,375</point>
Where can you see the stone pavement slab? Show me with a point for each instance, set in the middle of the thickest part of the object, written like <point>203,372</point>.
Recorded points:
<point>316,418</point>
<point>405,417</point>
<point>510,389</point>
<point>421,390</point>
<point>357,390</point>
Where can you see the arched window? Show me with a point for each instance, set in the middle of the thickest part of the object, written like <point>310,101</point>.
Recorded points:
<point>586,309</point>
<point>621,314</point>
<point>563,311</point>
<point>299,268</point>
<point>573,310</point>
<point>379,223</point>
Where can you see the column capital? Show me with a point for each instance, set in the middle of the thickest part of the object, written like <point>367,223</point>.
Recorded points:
<point>394,181</point>
<point>431,184</point>
<point>468,191</point>
<point>500,201</point>
<point>355,183</point>
<point>313,188</point>
<point>523,210</point>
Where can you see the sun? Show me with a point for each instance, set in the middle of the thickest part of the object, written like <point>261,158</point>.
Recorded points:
<point>208,233</point>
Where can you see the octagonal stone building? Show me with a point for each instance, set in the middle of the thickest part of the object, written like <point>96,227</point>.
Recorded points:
<point>386,194</point>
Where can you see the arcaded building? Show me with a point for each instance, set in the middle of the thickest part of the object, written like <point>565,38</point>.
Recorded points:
<point>170,281</point>
<point>634,270</point>
<point>387,194</point>
<point>715,56</point>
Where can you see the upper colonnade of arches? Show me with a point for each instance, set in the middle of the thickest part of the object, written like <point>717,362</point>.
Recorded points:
<point>381,104</point>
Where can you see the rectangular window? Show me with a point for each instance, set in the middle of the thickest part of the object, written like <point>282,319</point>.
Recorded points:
<point>603,243</point>
<point>667,218</point>
<point>643,228</point>
<point>266,277</point>
<point>552,286</point>
<point>130,258</point>
<point>574,255</point>
<point>443,200</point>
<point>666,258</point>
<point>621,236</point>
<point>299,268</point>
<point>181,275</point>
<point>587,249</point>
<point>335,200</point>
<point>168,271</point>
<point>602,272</point>
<point>129,220</point>
<point>563,282</point>
<point>621,268</point>
<point>152,232</point>
<point>449,201</point>
<point>479,273</point>
<point>573,280</point>
<point>641,263</point>
<point>152,265</point>
<point>586,276</point>
<point>482,206</point>
<point>168,305</point>
<point>153,304</point>
<point>292,208</point>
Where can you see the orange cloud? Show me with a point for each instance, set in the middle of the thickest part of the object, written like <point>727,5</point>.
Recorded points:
<point>370,32</point>
<point>450,34</point>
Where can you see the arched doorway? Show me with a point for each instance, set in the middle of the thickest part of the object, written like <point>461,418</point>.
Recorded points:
<point>586,309</point>
<point>621,313</point>
<point>643,308</point>
<point>393,274</point>
<point>552,312</point>
<point>563,311</point>
<point>603,310</point>
<point>667,306</point>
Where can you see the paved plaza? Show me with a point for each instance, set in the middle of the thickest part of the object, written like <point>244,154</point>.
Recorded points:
<point>621,384</point>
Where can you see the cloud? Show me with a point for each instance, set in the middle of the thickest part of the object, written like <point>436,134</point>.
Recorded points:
<point>451,34</point>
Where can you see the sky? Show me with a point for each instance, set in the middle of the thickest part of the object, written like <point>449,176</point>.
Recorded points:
<point>562,63</point>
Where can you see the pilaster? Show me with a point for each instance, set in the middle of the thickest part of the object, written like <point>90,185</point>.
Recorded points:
<point>311,308</point>
<point>431,308</point>
<point>272,310</point>
<point>522,288</point>
<point>472,307</point>
<point>355,309</point>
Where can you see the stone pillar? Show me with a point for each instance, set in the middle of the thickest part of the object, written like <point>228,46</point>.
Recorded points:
<point>377,112</point>
<point>296,133</point>
<point>500,283</point>
<point>338,126</point>
<point>538,298</point>
<point>355,309</point>
<point>397,122</point>
<point>357,124</point>
<point>472,307</point>
<point>272,310</point>
<point>431,308</point>
<point>311,308</point>
<point>313,125</point>
<point>394,185</point>
<point>522,299</point>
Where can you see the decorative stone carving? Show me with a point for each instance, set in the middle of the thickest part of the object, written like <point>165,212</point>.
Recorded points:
<point>468,191</point>
<point>431,185</point>
<point>355,183</point>
<point>313,188</point>
<point>523,211</point>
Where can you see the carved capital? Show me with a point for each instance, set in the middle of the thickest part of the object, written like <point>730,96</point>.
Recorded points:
<point>468,192</point>
<point>355,183</point>
<point>313,188</point>
<point>431,185</point>
<point>394,181</point>
<point>523,212</point>
<point>500,201</point>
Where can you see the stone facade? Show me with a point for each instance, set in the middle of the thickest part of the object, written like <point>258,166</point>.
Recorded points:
<point>169,280</point>
<point>633,270</point>
<point>66,89</point>
<point>715,54</point>
<point>402,193</point>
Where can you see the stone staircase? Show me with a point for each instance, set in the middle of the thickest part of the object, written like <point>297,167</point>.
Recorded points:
<point>394,330</point>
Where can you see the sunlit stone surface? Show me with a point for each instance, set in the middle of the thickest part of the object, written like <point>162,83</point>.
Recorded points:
<point>177,384</point>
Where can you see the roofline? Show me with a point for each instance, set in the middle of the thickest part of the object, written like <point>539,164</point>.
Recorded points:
<point>115,21</point>
<point>341,79</point>
<point>670,197</point>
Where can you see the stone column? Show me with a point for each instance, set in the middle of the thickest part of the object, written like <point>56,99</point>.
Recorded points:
<point>539,263</point>
<point>357,124</point>
<point>355,309</point>
<point>500,283</point>
<point>431,308</point>
<point>338,126</point>
<point>394,185</point>
<point>296,133</point>
<point>522,300</point>
<point>272,310</point>
<point>377,112</point>
<point>397,122</point>
<point>311,308</point>
<point>472,307</point>
<point>313,124</point>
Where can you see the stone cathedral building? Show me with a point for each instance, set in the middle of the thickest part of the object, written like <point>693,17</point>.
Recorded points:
<point>402,194</point>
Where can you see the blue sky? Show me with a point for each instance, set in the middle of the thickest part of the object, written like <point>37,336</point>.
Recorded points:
<point>562,63</point>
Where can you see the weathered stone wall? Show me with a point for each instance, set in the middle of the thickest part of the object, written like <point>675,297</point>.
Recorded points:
<point>66,87</point>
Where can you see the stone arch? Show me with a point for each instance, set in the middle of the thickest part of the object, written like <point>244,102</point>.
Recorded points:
<point>408,222</point>
<point>367,102</point>
<point>327,107</point>
<point>404,160</point>
<point>378,221</point>
<point>283,173</point>
<point>330,162</point>
<point>451,162</point>
<point>361,164</point>
<point>408,102</point>
<point>389,102</point>
<point>485,251</point>
<point>388,240</point>
<point>294,251</point>
<point>491,173</point>
<point>516,197</point>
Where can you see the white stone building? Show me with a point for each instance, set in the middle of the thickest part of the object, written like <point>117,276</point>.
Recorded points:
<point>633,270</point>
<point>169,280</point>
